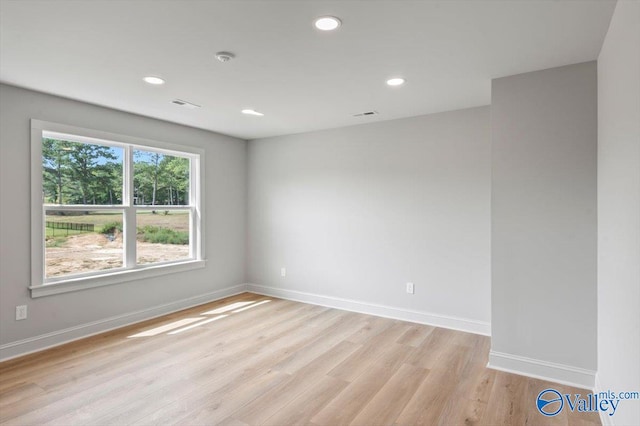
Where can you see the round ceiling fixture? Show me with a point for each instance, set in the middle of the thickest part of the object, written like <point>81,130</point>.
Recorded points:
<point>156,81</point>
<point>396,81</point>
<point>327,23</point>
<point>225,56</point>
<point>249,111</point>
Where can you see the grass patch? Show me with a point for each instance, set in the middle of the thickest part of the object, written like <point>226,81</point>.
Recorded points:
<point>99,218</point>
<point>171,228</point>
<point>111,228</point>
<point>55,241</point>
<point>177,220</point>
<point>50,232</point>
<point>58,237</point>
<point>160,235</point>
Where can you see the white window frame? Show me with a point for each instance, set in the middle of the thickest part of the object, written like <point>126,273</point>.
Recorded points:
<point>130,270</point>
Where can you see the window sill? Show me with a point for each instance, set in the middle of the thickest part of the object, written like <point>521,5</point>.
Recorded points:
<point>77,284</point>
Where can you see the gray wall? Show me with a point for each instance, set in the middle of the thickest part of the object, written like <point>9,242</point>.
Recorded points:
<point>225,221</point>
<point>357,212</point>
<point>619,209</point>
<point>544,215</point>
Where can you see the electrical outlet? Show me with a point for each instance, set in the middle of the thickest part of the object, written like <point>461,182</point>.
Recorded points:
<point>21,312</point>
<point>283,271</point>
<point>410,288</point>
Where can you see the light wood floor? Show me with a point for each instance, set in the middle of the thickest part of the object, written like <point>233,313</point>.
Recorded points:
<point>275,363</point>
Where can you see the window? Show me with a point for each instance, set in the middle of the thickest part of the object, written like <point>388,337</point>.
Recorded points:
<point>109,208</point>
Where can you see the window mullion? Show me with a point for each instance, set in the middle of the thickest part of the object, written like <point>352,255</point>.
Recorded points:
<point>129,241</point>
<point>194,201</point>
<point>93,260</point>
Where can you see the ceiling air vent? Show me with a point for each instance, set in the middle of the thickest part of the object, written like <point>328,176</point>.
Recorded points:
<point>185,104</point>
<point>362,114</point>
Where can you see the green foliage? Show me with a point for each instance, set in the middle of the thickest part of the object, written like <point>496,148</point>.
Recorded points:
<point>160,179</point>
<point>111,228</point>
<point>81,173</point>
<point>160,235</point>
<point>88,173</point>
<point>89,168</point>
<point>55,166</point>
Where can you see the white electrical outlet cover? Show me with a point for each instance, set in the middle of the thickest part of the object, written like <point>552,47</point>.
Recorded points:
<point>21,312</point>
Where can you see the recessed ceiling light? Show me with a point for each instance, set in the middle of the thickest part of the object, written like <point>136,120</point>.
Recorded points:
<point>327,23</point>
<point>252,112</point>
<point>396,81</point>
<point>153,80</point>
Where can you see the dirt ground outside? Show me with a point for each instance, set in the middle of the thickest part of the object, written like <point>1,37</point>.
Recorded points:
<point>94,252</point>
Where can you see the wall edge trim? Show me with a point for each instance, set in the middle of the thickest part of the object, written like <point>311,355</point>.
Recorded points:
<point>60,337</point>
<point>444,321</point>
<point>544,370</point>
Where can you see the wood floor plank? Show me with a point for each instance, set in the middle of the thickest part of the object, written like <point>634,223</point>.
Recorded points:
<point>142,405</point>
<point>433,349</point>
<point>218,406</point>
<point>302,408</point>
<point>278,363</point>
<point>344,325</point>
<point>506,405</point>
<point>21,391</point>
<point>388,403</point>
<point>40,414</point>
<point>415,335</point>
<point>473,409</point>
<point>467,383</point>
<point>348,404</point>
<point>242,369</point>
<point>373,327</point>
<point>271,402</point>
<point>230,421</point>
<point>371,349</point>
<point>66,354</point>
<point>431,398</point>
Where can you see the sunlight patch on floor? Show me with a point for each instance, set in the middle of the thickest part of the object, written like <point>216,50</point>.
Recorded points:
<point>185,324</point>
<point>251,306</point>
<point>198,324</point>
<point>166,327</point>
<point>228,308</point>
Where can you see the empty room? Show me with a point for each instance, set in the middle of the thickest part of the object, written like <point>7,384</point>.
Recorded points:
<point>279,212</point>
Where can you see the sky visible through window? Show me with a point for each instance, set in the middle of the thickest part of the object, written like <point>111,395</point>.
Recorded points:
<point>85,173</point>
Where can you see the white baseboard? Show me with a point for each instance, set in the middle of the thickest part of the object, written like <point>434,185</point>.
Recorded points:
<point>552,372</point>
<point>455,323</point>
<point>56,338</point>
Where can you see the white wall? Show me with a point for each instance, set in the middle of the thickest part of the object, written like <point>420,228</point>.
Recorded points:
<point>357,212</point>
<point>544,222</point>
<point>619,209</point>
<point>82,312</point>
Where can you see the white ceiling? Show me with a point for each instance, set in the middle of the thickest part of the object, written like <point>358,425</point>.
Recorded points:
<point>300,78</point>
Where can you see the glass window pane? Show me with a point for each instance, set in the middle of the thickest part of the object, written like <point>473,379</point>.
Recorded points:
<point>163,235</point>
<point>81,173</point>
<point>160,179</point>
<point>81,242</point>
